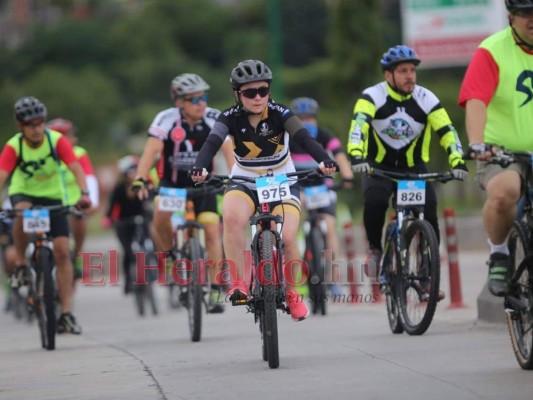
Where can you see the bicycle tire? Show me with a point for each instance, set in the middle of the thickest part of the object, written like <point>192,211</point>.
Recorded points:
<point>44,259</point>
<point>269,297</point>
<point>36,307</point>
<point>262,330</point>
<point>195,292</point>
<point>391,261</point>
<point>150,294</point>
<point>419,283</point>
<point>317,292</point>
<point>520,320</point>
<point>139,292</point>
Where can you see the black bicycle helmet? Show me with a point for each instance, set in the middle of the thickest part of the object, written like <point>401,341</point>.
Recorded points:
<point>185,84</point>
<point>29,108</point>
<point>398,54</point>
<point>516,5</point>
<point>304,106</point>
<point>249,71</point>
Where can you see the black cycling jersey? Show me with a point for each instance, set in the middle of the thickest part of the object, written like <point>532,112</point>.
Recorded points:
<point>182,143</point>
<point>121,206</point>
<point>266,146</point>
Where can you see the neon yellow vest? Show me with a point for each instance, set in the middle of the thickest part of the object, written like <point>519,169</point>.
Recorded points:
<point>73,192</point>
<point>510,112</point>
<point>37,172</point>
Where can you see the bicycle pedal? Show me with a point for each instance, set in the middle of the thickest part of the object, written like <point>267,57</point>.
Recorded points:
<point>239,302</point>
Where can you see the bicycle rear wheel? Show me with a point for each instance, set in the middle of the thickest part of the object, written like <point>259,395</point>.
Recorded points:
<point>391,266</point>
<point>44,258</point>
<point>315,251</point>
<point>270,297</point>
<point>519,303</point>
<point>195,287</point>
<point>420,278</point>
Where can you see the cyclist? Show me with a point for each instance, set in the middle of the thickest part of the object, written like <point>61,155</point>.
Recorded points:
<point>391,129</point>
<point>177,134</point>
<point>306,109</point>
<point>497,95</point>
<point>7,251</point>
<point>72,194</point>
<point>33,160</point>
<point>260,131</point>
<point>122,207</point>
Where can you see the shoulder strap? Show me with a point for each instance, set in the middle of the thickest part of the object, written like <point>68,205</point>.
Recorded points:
<point>52,149</point>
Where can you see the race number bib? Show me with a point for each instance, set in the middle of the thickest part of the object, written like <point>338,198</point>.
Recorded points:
<point>411,193</point>
<point>272,188</point>
<point>317,197</point>
<point>172,199</point>
<point>36,221</point>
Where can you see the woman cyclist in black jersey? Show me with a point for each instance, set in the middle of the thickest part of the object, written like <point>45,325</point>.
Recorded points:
<point>260,130</point>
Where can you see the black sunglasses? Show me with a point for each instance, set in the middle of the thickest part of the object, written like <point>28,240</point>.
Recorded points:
<point>196,99</point>
<point>251,93</point>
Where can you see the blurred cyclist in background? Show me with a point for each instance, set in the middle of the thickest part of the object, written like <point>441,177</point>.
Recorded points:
<point>306,109</point>
<point>33,159</point>
<point>122,207</point>
<point>176,136</point>
<point>72,196</point>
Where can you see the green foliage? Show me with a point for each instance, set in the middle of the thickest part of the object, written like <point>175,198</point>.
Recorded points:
<point>111,74</point>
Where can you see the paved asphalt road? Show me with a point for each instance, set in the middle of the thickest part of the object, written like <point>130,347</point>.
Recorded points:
<point>350,353</point>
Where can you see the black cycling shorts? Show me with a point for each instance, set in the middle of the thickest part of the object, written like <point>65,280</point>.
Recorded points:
<point>58,219</point>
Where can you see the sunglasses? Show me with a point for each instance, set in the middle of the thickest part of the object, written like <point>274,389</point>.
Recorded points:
<point>251,93</point>
<point>196,99</point>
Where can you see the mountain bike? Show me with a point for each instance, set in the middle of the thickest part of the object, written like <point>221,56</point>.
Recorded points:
<point>189,269</point>
<point>141,244</point>
<point>518,302</point>
<point>267,282</point>
<point>410,265</point>
<point>43,297</point>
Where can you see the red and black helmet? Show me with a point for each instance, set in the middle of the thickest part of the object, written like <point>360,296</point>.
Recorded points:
<point>61,125</point>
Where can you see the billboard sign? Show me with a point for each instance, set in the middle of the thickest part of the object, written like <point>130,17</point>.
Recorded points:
<point>446,32</point>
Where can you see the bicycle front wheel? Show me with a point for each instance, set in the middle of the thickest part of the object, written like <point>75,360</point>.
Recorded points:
<point>316,247</point>
<point>36,306</point>
<point>270,297</point>
<point>419,281</point>
<point>195,287</point>
<point>44,259</point>
<point>519,303</point>
<point>391,266</point>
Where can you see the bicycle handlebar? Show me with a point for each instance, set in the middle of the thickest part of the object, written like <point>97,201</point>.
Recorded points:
<point>299,175</point>
<point>12,212</point>
<point>425,176</point>
<point>506,157</point>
